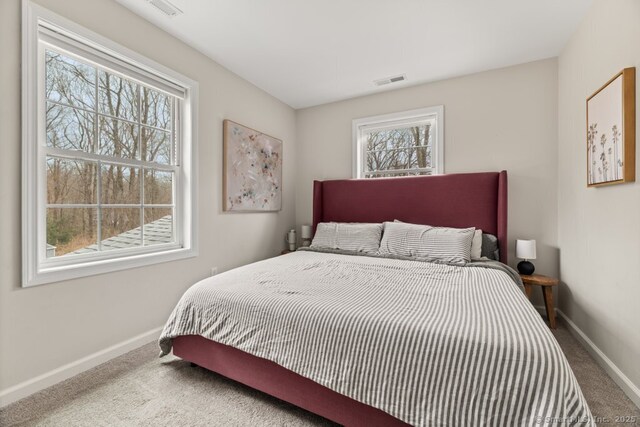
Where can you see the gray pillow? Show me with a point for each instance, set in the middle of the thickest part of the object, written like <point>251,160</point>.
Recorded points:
<point>452,245</point>
<point>490,247</point>
<point>354,237</point>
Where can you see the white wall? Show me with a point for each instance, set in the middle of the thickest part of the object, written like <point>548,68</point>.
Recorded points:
<point>500,119</point>
<point>45,327</point>
<point>599,228</point>
<point>528,119</point>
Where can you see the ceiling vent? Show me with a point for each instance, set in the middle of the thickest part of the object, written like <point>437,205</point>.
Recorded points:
<point>387,80</point>
<point>166,7</point>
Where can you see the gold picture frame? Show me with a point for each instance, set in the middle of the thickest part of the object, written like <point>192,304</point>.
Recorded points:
<point>611,131</point>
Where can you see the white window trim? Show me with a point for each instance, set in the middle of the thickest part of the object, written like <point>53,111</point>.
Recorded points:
<point>359,125</point>
<point>37,272</point>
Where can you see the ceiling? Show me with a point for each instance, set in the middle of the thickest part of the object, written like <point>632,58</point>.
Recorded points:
<point>310,52</point>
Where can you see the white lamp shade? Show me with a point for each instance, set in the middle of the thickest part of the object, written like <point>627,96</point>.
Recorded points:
<point>305,231</point>
<point>526,249</point>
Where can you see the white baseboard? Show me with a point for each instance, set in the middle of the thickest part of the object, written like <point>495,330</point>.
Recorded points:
<point>629,388</point>
<point>542,310</point>
<point>26,388</point>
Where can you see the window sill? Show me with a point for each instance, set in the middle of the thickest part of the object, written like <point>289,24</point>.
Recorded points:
<point>61,273</point>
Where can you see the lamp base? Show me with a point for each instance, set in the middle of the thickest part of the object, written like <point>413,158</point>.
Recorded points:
<point>525,267</point>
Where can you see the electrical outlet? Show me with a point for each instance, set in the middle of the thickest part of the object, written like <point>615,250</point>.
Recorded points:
<point>214,271</point>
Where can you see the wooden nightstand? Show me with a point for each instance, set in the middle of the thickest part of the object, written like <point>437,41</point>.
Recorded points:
<point>546,284</point>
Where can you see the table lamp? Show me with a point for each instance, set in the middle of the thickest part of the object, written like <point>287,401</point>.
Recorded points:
<point>526,250</point>
<point>305,235</point>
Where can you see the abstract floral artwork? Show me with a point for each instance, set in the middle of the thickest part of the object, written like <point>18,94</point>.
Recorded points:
<point>252,170</point>
<point>611,131</point>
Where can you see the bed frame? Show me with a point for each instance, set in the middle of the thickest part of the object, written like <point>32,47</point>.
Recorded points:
<point>458,200</point>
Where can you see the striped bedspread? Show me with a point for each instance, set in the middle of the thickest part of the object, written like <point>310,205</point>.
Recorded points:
<point>430,344</point>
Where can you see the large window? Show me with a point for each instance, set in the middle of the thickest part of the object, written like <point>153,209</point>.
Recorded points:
<point>108,150</point>
<point>399,144</point>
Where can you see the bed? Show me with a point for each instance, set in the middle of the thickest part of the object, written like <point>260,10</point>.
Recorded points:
<point>373,341</point>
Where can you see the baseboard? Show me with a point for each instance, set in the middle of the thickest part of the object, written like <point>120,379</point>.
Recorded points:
<point>629,388</point>
<point>26,388</point>
<point>542,310</point>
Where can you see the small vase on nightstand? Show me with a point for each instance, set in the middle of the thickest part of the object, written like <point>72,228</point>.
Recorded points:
<point>526,267</point>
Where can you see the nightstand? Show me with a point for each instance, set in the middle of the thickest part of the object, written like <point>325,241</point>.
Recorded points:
<point>546,284</point>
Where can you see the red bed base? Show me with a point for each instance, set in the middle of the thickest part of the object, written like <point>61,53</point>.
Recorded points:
<point>271,378</point>
<point>458,200</point>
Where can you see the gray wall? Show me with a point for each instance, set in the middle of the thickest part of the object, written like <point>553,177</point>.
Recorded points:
<point>500,119</point>
<point>599,228</point>
<point>45,327</point>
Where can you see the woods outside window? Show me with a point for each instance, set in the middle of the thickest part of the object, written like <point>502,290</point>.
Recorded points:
<point>400,144</point>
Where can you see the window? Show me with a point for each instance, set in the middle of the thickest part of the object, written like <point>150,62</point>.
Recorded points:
<point>399,144</point>
<point>108,147</point>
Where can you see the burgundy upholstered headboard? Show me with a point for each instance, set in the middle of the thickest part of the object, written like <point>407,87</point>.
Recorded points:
<point>456,200</point>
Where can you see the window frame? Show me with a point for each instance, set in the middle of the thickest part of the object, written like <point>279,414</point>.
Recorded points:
<point>39,27</point>
<point>397,119</point>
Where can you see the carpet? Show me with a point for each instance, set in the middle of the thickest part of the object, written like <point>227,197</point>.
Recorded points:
<point>138,389</point>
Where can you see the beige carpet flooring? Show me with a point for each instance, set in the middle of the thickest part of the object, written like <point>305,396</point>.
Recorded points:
<point>138,389</point>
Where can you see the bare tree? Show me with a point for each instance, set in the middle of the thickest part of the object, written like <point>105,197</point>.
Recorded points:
<point>391,151</point>
<point>90,110</point>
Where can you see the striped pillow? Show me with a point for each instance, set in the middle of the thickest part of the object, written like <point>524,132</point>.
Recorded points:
<point>354,237</point>
<point>452,245</point>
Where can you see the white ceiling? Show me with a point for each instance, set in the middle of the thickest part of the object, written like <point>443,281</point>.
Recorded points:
<point>310,52</point>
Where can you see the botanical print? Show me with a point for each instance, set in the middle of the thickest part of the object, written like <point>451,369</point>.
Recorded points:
<point>253,169</point>
<point>605,157</point>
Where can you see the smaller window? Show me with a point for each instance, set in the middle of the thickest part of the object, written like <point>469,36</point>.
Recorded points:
<point>399,144</point>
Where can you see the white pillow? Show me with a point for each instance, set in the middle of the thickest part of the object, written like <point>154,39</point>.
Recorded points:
<point>452,245</point>
<point>476,245</point>
<point>354,237</point>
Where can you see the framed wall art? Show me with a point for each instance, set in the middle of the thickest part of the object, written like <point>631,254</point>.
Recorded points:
<point>611,127</point>
<point>252,170</point>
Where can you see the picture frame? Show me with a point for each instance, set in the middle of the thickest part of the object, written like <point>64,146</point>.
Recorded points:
<point>611,128</point>
<point>252,170</point>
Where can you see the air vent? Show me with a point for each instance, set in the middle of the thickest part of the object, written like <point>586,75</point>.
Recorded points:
<point>165,7</point>
<point>387,80</point>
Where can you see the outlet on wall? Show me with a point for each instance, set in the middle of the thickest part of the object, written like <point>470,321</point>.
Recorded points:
<point>214,271</point>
